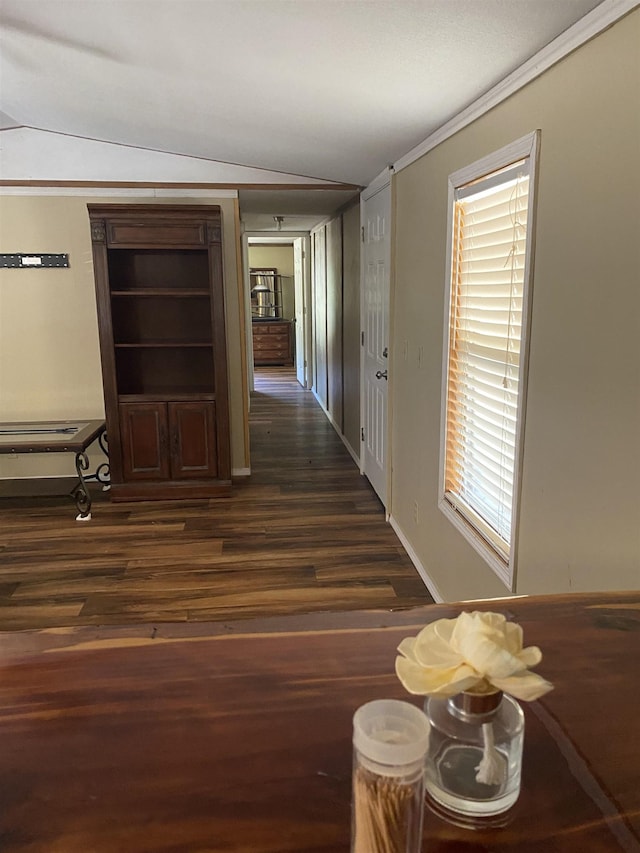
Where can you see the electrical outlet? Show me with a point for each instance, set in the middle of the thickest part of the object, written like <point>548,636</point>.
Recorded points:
<point>416,512</point>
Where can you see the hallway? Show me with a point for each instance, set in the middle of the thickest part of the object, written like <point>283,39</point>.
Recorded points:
<point>304,533</point>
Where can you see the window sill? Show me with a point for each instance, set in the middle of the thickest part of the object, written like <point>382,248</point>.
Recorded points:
<point>495,561</point>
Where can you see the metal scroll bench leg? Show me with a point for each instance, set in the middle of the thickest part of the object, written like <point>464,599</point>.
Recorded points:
<point>80,493</point>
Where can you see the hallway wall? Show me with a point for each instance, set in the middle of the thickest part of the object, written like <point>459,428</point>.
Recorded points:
<point>336,307</point>
<point>579,526</point>
<point>351,327</point>
<point>579,503</point>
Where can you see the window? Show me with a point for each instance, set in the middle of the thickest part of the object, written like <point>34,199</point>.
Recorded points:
<point>486,341</point>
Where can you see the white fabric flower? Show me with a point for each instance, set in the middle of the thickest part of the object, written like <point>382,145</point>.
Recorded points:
<point>480,652</point>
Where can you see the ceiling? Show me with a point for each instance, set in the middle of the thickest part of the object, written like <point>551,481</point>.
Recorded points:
<point>298,211</point>
<point>331,89</point>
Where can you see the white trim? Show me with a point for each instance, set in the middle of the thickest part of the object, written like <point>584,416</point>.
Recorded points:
<point>486,551</point>
<point>352,452</point>
<point>424,574</point>
<point>326,412</point>
<point>380,182</point>
<point>264,238</point>
<point>521,148</point>
<point>241,472</point>
<point>595,22</point>
<point>119,192</point>
<point>341,435</point>
<point>73,478</point>
<point>323,224</point>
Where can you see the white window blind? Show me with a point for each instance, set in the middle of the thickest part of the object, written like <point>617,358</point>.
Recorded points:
<point>484,357</point>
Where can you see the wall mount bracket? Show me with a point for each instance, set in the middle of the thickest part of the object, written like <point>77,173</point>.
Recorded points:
<point>33,260</point>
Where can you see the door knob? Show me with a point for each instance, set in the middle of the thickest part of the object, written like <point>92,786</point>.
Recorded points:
<point>381,374</point>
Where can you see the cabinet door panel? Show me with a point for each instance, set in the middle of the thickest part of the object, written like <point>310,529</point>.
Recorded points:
<point>193,440</point>
<point>143,431</point>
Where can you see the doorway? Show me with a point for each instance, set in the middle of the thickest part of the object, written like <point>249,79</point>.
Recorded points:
<point>277,282</point>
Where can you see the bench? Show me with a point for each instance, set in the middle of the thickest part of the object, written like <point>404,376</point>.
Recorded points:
<point>62,437</point>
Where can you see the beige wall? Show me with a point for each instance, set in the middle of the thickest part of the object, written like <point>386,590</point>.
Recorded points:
<point>280,258</point>
<point>49,353</point>
<point>351,326</point>
<point>580,506</point>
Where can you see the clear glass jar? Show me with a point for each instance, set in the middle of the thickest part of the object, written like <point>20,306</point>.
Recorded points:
<point>389,750</point>
<point>475,754</point>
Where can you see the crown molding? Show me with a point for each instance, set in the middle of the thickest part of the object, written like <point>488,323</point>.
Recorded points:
<point>595,22</point>
<point>323,223</point>
<point>106,191</point>
<point>152,189</point>
<point>378,183</point>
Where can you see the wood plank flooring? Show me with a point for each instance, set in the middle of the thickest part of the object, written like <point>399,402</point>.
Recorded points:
<point>304,533</point>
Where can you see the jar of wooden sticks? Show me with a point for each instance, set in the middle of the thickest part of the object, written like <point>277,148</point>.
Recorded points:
<point>390,742</point>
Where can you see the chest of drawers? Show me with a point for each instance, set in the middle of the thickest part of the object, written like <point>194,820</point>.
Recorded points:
<point>272,342</point>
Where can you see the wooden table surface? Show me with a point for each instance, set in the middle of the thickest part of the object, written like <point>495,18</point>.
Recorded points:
<point>237,736</point>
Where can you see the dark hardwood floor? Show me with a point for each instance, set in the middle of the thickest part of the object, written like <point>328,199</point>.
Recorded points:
<point>304,533</point>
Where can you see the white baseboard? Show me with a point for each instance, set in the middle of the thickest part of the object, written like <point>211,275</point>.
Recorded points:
<point>352,452</point>
<point>336,427</point>
<point>428,582</point>
<point>241,472</point>
<point>21,477</point>
<point>320,403</point>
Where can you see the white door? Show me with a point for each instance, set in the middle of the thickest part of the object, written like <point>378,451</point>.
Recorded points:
<point>320,382</point>
<point>376,220</point>
<point>298,282</point>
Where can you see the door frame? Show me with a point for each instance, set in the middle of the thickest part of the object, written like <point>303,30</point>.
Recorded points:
<point>265,238</point>
<point>302,328</point>
<point>381,182</point>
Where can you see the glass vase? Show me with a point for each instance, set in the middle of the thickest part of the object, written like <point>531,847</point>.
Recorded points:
<point>475,754</point>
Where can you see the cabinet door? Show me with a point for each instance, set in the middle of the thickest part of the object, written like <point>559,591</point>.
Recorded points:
<point>193,440</point>
<point>143,432</point>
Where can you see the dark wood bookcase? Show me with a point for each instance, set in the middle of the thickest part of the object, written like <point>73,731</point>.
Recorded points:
<point>160,297</point>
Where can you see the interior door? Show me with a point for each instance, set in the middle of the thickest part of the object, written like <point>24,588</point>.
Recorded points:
<point>298,283</point>
<point>376,220</point>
